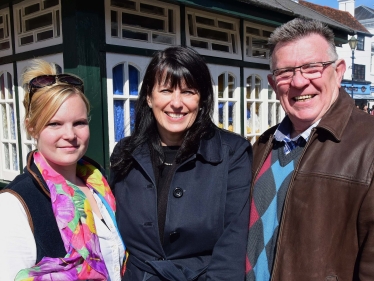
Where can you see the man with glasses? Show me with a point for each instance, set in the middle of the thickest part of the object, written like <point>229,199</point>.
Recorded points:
<point>312,196</point>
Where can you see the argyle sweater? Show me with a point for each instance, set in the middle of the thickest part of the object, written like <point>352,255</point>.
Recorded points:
<point>269,193</point>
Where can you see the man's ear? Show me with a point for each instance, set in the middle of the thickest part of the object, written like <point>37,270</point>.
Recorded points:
<point>272,84</point>
<point>340,70</point>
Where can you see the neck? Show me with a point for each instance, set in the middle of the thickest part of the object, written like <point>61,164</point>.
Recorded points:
<point>296,132</point>
<point>171,140</point>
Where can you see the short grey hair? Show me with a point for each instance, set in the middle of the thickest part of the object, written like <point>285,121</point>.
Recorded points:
<point>299,28</point>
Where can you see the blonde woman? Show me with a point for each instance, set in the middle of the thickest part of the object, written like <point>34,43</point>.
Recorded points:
<point>57,217</point>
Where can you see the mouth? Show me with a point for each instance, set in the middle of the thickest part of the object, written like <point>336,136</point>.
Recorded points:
<point>175,115</point>
<point>69,147</point>
<point>303,98</point>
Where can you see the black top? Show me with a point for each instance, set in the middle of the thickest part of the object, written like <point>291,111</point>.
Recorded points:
<point>165,172</point>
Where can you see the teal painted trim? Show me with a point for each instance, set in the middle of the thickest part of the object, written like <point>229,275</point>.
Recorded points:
<point>117,49</point>
<point>3,184</point>
<point>214,60</point>
<point>238,63</point>
<point>105,112</point>
<point>32,54</point>
<point>212,6</point>
<point>19,121</point>
<point>183,32</point>
<point>83,29</point>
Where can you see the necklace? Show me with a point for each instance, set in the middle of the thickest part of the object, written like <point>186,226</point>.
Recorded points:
<point>168,164</point>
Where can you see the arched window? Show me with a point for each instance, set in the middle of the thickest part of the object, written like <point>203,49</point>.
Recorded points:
<point>126,81</point>
<point>228,98</point>
<point>254,107</point>
<point>275,111</point>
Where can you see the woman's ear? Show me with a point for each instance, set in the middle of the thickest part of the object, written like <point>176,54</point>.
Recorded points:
<point>30,130</point>
<point>149,101</point>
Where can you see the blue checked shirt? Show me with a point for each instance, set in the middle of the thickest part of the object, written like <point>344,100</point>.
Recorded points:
<point>283,134</point>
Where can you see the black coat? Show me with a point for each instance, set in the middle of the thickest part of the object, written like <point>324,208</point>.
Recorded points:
<point>207,214</point>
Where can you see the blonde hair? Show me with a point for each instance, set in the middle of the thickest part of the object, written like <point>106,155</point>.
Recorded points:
<point>45,101</point>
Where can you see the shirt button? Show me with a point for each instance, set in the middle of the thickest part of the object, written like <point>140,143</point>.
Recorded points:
<point>178,192</point>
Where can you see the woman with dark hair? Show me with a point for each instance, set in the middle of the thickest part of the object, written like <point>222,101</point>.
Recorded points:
<point>181,183</point>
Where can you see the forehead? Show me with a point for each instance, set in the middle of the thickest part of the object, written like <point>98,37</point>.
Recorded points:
<point>311,48</point>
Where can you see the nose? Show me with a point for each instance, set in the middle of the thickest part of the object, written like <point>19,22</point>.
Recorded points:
<point>298,80</point>
<point>176,99</point>
<point>69,132</point>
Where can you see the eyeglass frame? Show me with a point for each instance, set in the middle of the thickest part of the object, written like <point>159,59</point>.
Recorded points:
<point>324,65</point>
<point>33,88</point>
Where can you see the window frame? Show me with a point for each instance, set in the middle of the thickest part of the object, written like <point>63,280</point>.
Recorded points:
<point>140,63</point>
<point>7,26</point>
<point>19,33</point>
<point>216,18</point>
<point>261,28</point>
<point>263,100</point>
<point>216,71</point>
<point>9,174</point>
<point>359,72</point>
<point>360,43</point>
<point>138,43</point>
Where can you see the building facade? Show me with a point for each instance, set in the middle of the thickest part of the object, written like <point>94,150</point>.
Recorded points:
<point>109,43</point>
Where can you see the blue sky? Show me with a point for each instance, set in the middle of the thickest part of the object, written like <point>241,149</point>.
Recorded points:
<point>334,3</point>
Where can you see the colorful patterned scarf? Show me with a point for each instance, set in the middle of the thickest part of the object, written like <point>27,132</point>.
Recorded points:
<point>76,224</point>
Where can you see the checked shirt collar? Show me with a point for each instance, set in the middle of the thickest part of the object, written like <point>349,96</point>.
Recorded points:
<point>283,134</point>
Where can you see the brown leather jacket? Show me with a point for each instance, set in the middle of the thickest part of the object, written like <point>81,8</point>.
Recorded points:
<point>327,225</point>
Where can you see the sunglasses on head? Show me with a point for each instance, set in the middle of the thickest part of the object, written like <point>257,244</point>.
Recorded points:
<point>48,80</point>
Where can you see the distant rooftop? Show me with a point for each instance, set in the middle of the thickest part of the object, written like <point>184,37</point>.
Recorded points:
<point>364,13</point>
<point>340,16</point>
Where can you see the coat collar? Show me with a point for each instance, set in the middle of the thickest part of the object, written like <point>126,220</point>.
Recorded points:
<point>336,118</point>
<point>209,149</point>
<point>334,121</point>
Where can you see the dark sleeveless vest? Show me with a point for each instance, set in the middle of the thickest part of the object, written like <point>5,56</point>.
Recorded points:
<point>31,190</point>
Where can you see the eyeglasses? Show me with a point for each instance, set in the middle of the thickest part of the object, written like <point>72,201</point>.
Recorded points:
<point>48,80</point>
<point>309,71</point>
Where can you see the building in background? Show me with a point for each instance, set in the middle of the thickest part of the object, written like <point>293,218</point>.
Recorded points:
<point>365,15</point>
<point>362,76</point>
<point>109,44</point>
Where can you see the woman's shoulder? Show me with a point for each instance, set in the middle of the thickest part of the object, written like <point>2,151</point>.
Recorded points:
<point>21,182</point>
<point>231,138</point>
<point>121,145</point>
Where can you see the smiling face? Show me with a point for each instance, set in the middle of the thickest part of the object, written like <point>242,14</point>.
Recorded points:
<point>175,111</point>
<point>64,139</point>
<point>306,101</point>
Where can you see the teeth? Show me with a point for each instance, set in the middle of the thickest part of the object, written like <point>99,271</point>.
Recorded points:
<point>175,115</point>
<point>300,98</point>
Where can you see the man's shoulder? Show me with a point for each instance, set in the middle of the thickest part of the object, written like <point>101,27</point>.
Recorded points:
<point>265,136</point>
<point>361,123</point>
